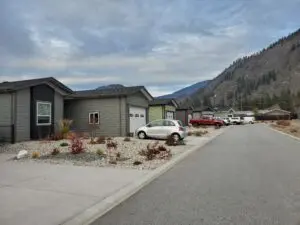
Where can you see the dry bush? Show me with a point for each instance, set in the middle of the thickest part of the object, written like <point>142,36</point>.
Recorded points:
<point>284,123</point>
<point>35,155</point>
<point>101,140</point>
<point>190,133</point>
<point>127,139</point>
<point>55,151</point>
<point>294,130</point>
<point>136,163</point>
<point>155,151</point>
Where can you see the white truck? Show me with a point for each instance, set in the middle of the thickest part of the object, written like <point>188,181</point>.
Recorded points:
<point>235,120</point>
<point>249,119</point>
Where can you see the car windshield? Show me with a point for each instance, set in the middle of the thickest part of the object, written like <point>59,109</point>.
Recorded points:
<point>180,123</point>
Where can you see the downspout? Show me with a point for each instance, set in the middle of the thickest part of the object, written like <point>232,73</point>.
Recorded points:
<point>120,115</point>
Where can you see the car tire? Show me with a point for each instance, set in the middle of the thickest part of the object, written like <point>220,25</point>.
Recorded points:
<point>176,137</point>
<point>142,135</point>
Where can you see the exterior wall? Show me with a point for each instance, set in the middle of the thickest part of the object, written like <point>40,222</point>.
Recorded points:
<point>6,117</point>
<point>41,93</point>
<point>170,108</point>
<point>111,112</point>
<point>138,100</point>
<point>58,110</point>
<point>155,113</point>
<point>22,117</point>
<point>182,116</point>
<point>196,115</point>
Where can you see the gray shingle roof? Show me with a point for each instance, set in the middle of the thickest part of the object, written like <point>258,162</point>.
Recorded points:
<point>109,92</point>
<point>18,85</point>
<point>163,101</point>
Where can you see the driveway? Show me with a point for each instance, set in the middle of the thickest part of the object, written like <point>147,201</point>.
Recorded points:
<point>248,175</point>
<point>36,193</point>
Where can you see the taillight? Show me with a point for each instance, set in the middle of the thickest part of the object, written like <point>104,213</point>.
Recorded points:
<point>181,129</point>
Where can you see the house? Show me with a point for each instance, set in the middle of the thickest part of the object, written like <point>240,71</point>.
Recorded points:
<point>273,113</point>
<point>223,112</point>
<point>184,114</point>
<point>117,111</point>
<point>203,111</point>
<point>31,109</point>
<point>162,109</point>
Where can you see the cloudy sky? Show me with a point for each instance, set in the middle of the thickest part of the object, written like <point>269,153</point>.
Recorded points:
<point>162,44</point>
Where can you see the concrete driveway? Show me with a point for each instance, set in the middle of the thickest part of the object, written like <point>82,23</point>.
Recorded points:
<point>250,175</point>
<point>36,193</point>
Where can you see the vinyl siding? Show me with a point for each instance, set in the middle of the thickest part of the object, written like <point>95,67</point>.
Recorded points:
<point>138,100</point>
<point>22,115</point>
<point>112,123</point>
<point>155,113</point>
<point>58,110</point>
<point>5,117</point>
<point>170,108</point>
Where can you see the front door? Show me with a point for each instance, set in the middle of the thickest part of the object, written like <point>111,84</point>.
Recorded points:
<point>169,115</point>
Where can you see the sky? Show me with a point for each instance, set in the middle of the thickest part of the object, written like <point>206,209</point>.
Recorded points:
<point>164,45</point>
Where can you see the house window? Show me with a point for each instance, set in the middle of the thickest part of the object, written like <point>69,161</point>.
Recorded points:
<point>94,118</point>
<point>137,115</point>
<point>142,116</point>
<point>43,113</point>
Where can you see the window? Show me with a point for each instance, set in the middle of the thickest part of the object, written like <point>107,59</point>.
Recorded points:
<point>130,115</point>
<point>142,116</point>
<point>168,123</point>
<point>156,123</point>
<point>94,118</point>
<point>137,115</point>
<point>43,113</point>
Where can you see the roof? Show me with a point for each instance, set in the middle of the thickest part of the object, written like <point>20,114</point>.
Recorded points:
<point>163,101</point>
<point>22,84</point>
<point>278,110</point>
<point>225,109</point>
<point>111,92</point>
<point>201,109</point>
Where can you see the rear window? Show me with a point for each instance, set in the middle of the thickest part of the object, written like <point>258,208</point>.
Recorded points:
<point>180,123</point>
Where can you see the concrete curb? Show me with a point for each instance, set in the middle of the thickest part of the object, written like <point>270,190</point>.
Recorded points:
<point>105,205</point>
<point>281,132</point>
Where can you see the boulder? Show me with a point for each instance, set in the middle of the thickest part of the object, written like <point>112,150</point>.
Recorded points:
<point>22,154</point>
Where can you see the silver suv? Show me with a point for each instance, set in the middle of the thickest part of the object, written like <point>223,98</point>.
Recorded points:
<point>161,129</point>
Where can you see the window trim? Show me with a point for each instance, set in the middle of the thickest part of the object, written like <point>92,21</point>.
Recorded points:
<point>96,112</point>
<point>37,113</point>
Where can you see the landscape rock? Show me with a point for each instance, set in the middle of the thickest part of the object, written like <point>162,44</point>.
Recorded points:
<point>22,154</point>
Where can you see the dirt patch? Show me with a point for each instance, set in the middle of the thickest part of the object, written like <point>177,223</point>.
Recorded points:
<point>292,127</point>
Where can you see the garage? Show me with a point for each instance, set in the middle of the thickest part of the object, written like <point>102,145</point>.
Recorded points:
<point>137,118</point>
<point>170,115</point>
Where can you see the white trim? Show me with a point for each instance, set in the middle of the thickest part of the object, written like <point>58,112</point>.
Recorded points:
<point>37,114</point>
<point>98,117</point>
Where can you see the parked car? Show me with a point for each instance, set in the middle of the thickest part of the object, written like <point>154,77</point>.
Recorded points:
<point>235,120</point>
<point>207,121</point>
<point>226,121</point>
<point>249,119</point>
<point>161,129</point>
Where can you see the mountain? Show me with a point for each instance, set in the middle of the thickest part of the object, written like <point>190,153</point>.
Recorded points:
<point>268,77</point>
<point>111,86</point>
<point>187,91</point>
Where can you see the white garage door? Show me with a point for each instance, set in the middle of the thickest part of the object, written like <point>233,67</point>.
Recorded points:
<point>170,115</point>
<point>137,117</point>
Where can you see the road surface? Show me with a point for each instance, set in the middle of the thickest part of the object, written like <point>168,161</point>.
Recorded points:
<point>248,175</point>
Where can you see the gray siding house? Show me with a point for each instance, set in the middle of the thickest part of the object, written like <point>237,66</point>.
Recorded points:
<point>30,109</point>
<point>117,111</point>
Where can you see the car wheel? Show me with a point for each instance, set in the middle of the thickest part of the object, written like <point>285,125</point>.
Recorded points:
<point>142,135</point>
<point>176,137</point>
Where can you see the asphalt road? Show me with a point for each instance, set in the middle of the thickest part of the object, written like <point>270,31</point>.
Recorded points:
<point>248,175</point>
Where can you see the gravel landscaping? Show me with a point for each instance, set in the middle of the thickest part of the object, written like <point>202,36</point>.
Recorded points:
<point>129,152</point>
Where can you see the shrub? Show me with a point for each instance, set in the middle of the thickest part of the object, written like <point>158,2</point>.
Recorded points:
<point>284,123</point>
<point>35,155</point>
<point>127,139</point>
<point>55,151</point>
<point>76,146</point>
<point>109,139</point>
<point>92,142</point>
<point>170,141</point>
<point>118,155</point>
<point>100,152</point>
<point>294,130</point>
<point>198,133</point>
<point>165,154</point>
<point>190,133</point>
<point>162,148</point>
<point>64,144</point>
<point>72,135</point>
<point>136,163</point>
<point>112,144</point>
<point>64,126</point>
<point>56,137</point>
<point>101,140</point>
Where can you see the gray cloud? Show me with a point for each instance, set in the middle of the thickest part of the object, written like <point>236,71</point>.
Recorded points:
<point>163,44</point>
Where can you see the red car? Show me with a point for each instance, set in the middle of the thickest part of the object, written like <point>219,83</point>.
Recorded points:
<point>207,121</point>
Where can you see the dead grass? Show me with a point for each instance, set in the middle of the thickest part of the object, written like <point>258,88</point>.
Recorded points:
<point>288,126</point>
